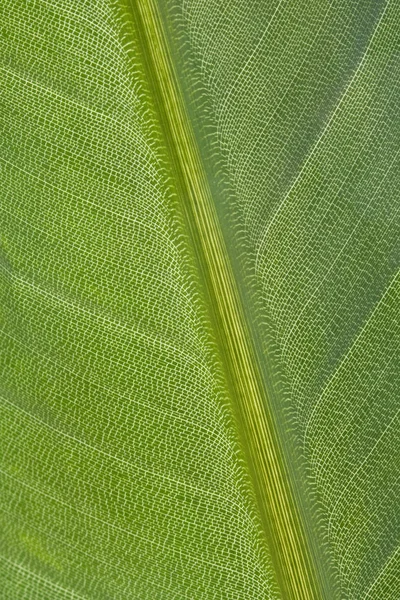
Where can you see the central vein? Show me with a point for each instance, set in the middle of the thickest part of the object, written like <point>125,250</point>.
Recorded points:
<point>295,572</point>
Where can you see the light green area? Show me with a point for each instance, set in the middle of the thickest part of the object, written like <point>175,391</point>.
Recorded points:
<point>139,458</point>
<point>296,109</point>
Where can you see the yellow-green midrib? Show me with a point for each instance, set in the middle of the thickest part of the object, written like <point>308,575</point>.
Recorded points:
<point>293,563</point>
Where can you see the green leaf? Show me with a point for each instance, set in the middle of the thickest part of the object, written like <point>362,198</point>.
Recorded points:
<point>200,294</point>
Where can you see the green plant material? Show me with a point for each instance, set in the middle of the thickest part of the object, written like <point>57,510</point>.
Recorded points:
<point>199,261</point>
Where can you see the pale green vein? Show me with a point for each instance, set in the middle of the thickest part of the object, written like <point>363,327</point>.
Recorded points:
<point>293,562</point>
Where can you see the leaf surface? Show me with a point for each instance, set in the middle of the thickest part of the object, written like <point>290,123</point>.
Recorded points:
<point>300,108</point>
<point>199,300</point>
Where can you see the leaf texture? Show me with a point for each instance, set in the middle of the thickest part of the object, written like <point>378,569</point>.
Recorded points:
<point>128,470</point>
<point>299,111</point>
<point>122,473</point>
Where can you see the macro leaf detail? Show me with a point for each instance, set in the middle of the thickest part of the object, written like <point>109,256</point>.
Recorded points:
<point>199,282</point>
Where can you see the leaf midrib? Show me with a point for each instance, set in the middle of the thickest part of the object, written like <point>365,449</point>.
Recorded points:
<point>296,574</point>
